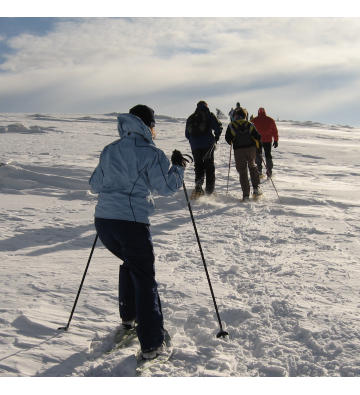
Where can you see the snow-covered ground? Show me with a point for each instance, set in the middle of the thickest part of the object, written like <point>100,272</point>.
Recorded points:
<point>286,276</point>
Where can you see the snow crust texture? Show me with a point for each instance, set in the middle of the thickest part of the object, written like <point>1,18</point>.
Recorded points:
<point>286,276</point>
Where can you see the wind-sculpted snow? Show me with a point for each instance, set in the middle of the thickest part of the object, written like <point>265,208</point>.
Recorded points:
<point>285,276</point>
<point>317,125</point>
<point>157,117</point>
<point>20,128</point>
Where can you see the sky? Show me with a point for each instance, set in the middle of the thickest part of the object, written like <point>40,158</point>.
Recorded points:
<point>300,68</point>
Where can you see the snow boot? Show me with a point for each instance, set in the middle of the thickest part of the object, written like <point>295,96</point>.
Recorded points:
<point>128,324</point>
<point>153,354</point>
<point>257,192</point>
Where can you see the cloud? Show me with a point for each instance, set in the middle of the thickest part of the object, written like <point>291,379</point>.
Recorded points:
<point>88,63</point>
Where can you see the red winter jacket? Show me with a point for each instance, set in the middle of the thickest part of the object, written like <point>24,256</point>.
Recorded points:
<point>266,127</point>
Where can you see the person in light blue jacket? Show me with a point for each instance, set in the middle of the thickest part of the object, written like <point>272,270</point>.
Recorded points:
<point>129,171</point>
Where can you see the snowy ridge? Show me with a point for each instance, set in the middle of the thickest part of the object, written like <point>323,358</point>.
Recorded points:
<point>20,128</point>
<point>285,276</point>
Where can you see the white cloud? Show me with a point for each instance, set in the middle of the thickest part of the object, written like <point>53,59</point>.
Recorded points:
<point>88,63</point>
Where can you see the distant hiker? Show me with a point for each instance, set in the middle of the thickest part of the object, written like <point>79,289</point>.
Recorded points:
<point>245,139</point>
<point>268,130</point>
<point>129,171</point>
<point>251,117</point>
<point>220,114</point>
<point>199,131</point>
<point>231,114</point>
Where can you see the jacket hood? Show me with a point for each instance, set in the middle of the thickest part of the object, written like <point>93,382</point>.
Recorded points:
<point>129,124</point>
<point>202,107</point>
<point>262,112</point>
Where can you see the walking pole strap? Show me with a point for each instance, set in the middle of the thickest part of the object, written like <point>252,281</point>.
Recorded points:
<point>209,153</point>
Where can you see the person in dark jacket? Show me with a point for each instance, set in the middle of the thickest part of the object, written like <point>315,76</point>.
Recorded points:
<point>129,171</point>
<point>245,140</point>
<point>200,145</point>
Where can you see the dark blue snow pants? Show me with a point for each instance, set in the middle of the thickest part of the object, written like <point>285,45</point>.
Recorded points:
<point>268,159</point>
<point>138,296</point>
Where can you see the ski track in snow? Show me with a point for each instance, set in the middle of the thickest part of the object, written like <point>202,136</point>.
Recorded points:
<point>285,276</point>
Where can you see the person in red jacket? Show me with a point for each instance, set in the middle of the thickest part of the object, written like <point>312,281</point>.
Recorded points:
<point>266,126</point>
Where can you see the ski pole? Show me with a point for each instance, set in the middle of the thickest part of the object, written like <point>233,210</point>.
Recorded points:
<point>210,151</point>
<point>221,333</point>
<point>65,328</point>
<point>229,171</point>
<point>270,178</point>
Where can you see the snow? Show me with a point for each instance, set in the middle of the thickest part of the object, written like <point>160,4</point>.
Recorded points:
<point>285,276</point>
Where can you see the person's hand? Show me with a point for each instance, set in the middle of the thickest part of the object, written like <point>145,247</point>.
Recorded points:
<point>275,145</point>
<point>178,159</point>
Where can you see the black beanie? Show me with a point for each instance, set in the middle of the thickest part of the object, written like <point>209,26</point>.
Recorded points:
<point>145,113</point>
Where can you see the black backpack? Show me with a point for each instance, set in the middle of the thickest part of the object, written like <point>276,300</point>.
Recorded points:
<point>242,133</point>
<point>198,123</point>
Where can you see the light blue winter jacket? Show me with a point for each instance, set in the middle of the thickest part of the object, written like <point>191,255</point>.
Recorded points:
<point>129,171</point>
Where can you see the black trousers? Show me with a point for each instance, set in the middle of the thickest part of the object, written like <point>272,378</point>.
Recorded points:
<point>132,243</point>
<point>268,159</point>
<point>204,169</point>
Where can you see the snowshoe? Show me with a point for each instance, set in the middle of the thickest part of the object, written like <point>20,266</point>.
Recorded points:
<point>212,194</point>
<point>161,355</point>
<point>196,193</point>
<point>122,338</point>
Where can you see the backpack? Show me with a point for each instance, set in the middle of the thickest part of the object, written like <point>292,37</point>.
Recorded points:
<point>198,123</point>
<point>242,134</point>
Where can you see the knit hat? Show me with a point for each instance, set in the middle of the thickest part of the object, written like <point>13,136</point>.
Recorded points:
<point>145,113</point>
<point>202,102</point>
<point>240,112</point>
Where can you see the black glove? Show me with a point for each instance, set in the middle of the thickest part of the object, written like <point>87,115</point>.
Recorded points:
<point>178,159</point>
<point>217,139</point>
<point>275,145</point>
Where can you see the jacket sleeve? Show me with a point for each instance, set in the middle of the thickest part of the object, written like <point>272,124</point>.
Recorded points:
<point>187,134</point>
<point>229,135</point>
<point>215,124</point>
<point>164,180</point>
<point>96,179</point>
<point>275,132</point>
<point>254,133</point>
